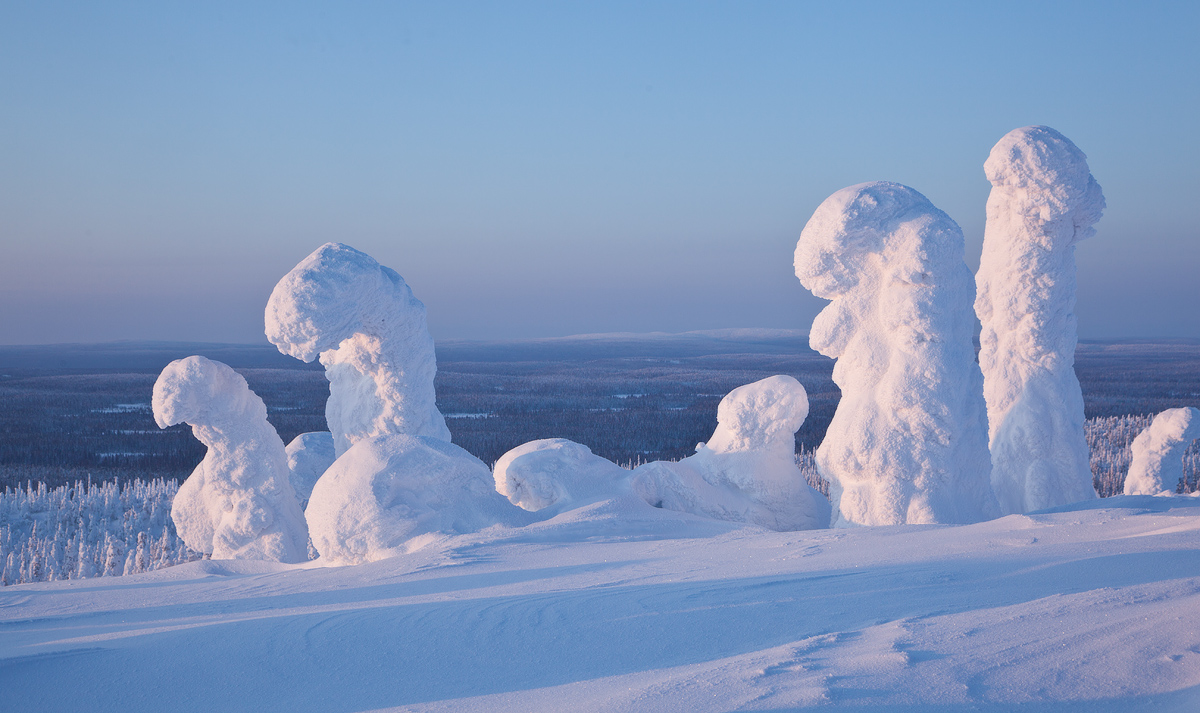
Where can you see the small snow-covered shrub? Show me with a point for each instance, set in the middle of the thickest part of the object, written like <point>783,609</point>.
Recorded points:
<point>88,530</point>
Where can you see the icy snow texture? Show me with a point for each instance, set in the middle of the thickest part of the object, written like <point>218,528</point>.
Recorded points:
<point>1043,201</point>
<point>908,441</point>
<point>557,472</point>
<point>387,490</point>
<point>747,471</point>
<point>238,503</point>
<point>1157,462</point>
<point>369,331</point>
<point>308,456</point>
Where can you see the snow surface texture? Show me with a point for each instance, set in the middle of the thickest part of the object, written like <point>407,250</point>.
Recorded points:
<point>908,442</point>
<point>747,471</point>
<point>1043,201</point>
<point>382,495</point>
<point>1157,464</point>
<point>238,503</point>
<point>308,456</point>
<point>1095,609</point>
<point>555,472</point>
<point>363,322</point>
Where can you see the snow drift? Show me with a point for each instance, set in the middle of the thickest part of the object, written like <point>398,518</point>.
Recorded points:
<point>387,490</point>
<point>1157,463</point>
<point>363,322</point>
<point>238,503</point>
<point>908,441</point>
<point>556,472</point>
<point>747,471</point>
<point>1044,200</point>
<point>308,456</point>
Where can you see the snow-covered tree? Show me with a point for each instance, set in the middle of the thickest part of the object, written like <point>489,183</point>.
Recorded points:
<point>908,443</point>
<point>238,503</point>
<point>1157,463</point>
<point>1044,200</point>
<point>369,331</point>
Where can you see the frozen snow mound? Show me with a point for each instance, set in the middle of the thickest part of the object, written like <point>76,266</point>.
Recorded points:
<point>558,473</point>
<point>908,442</point>
<point>308,456</point>
<point>380,497</point>
<point>369,331</point>
<point>747,471</point>
<point>1157,463</point>
<point>238,503</point>
<point>1044,200</point>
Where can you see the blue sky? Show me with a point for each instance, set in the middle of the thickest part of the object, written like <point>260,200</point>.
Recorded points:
<point>542,169</point>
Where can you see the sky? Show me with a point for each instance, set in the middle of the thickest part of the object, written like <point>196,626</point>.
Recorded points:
<point>546,169</point>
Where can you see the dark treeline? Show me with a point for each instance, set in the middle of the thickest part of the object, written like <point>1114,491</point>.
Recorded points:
<point>636,401</point>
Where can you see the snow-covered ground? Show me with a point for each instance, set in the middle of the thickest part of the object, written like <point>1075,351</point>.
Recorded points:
<point>615,607</point>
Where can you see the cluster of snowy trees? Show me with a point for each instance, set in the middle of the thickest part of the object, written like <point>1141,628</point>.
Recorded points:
<point>923,433</point>
<point>88,530</point>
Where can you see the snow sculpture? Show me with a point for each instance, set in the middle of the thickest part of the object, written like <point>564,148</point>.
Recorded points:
<point>1043,201</point>
<point>238,503</point>
<point>369,331</point>
<point>908,441</point>
<point>555,472</point>
<point>1157,463</point>
<point>747,471</point>
<point>308,456</point>
<point>382,495</point>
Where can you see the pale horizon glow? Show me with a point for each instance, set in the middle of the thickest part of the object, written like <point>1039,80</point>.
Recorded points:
<point>543,169</point>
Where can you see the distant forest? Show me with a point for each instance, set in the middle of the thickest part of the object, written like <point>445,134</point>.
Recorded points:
<point>79,412</point>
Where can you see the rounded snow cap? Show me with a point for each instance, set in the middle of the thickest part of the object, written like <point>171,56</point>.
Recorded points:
<point>858,221</point>
<point>195,389</point>
<point>758,414</point>
<point>1039,163</point>
<point>333,294</point>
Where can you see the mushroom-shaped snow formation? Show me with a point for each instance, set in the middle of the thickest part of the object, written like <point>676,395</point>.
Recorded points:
<point>1043,201</point>
<point>1157,463</point>
<point>238,503</point>
<point>908,443</point>
<point>555,472</point>
<point>308,456</point>
<point>747,471</point>
<point>382,495</point>
<point>369,331</point>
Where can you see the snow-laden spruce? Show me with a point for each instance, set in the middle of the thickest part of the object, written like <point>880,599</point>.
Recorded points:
<point>369,331</point>
<point>556,472</point>
<point>1043,201</point>
<point>308,456</point>
<point>238,503</point>
<point>908,443</point>
<point>747,471</point>
<point>380,497</point>
<point>1157,464</point>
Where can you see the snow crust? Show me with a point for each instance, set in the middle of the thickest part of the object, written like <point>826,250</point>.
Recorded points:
<point>238,503</point>
<point>379,497</point>
<point>308,456</point>
<point>747,471</point>
<point>908,443</point>
<point>1044,200</point>
<point>1157,463</point>
<point>556,472</point>
<point>369,331</point>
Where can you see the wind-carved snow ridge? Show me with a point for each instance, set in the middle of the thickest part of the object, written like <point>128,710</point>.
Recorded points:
<point>747,471</point>
<point>238,503</point>
<point>1043,201</point>
<point>908,441</point>
<point>369,331</point>
<point>1157,463</point>
<point>558,473</point>
<point>308,456</point>
<point>382,495</point>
